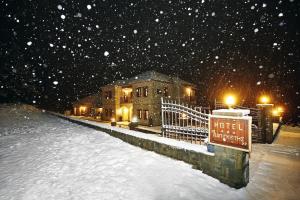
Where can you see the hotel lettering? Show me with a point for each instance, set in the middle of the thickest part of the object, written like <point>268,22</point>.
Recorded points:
<point>231,132</point>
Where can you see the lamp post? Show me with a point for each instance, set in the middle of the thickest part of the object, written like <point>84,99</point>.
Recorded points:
<point>113,122</point>
<point>265,121</point>
<point>278,112</point>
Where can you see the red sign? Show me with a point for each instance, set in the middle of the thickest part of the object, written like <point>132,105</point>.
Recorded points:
<point>233,132</point>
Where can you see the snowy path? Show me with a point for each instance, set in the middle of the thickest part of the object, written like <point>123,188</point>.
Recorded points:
<point>44,157</point>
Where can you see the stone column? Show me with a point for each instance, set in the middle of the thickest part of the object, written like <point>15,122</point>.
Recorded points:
<point>231,165</point>
<point>266,122</point>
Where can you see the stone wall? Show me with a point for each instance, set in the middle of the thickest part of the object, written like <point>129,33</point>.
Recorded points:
<point>228,165</point>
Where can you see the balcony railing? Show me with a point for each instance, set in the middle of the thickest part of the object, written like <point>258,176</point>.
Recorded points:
<point>125,100</point>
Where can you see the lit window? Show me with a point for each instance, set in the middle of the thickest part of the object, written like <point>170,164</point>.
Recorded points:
<point>139,113</point>
<point>145,91</point>
<point>138,92</point>
<point>146,114</point>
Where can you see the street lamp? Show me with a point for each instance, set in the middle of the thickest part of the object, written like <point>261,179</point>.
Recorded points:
<point>275,113</point>
<point>280,109</point>
<point>230,101</point>
<point>278,112</point>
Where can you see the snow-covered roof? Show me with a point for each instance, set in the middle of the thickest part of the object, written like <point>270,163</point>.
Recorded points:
<point>152,75</point>
<point>88,100</point>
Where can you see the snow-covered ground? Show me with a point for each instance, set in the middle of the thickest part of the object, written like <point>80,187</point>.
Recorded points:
<point>44,157</point>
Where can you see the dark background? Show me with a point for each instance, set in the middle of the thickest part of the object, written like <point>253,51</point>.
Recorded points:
<point>210,43</point>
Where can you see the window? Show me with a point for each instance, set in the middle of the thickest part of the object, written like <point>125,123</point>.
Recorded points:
<point>145,91</point>
<point>158,91</point>
<point>146,114</point>
<point>166,92</point>
<point>108,95</point>
<point>139,113</point>
<point>138,92</point>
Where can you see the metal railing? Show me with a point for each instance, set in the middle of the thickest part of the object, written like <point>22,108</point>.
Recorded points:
<point>182,122</point>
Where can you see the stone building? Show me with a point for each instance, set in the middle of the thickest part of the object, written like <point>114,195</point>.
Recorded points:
<point>88,106</point>
<point>140,97</point>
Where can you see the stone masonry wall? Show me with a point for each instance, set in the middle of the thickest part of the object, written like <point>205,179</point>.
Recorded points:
<point>228,165</point>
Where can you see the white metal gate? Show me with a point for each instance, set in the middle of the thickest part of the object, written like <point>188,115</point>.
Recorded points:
<point>182,122</point>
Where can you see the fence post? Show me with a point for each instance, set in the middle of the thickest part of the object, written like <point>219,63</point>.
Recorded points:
<point>162,117</point>
<point>266,122</point>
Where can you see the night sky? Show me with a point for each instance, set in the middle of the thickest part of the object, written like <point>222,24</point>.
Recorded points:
<point>54,52</point>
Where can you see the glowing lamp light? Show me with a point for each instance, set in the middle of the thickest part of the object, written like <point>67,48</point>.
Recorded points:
<point>119,111</point>
<point>82,108</point>
<point>275,113</point>
<point>264,99</point>
<point>280,109</point>
<point>188,91</point>
<point>230,100</point>
<point>134,119</point>
<point>113,120</point>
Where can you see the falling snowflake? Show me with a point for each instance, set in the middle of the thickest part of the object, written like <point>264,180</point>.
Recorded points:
<point>55,82</point>
<point>135,31</point>
<point>78,15</point>
<point>271,75</point>
<point>106,53</point>
<point>51,45</point>
<point>213,14</point>
<point>157,20</point>
<point>59,7</point>
<point>258,83</point>
<point>89,7</point>
<point>256,30</point>
<point>63,16</point>
<point>29,43</point>
<point>280,15</point>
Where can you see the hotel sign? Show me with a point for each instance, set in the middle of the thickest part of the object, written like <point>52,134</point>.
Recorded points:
<point>232,132</point>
